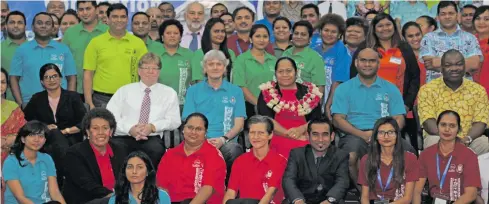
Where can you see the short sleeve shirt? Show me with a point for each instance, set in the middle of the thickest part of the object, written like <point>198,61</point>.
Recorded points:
<point>239,46</point>
<point>8,51</point>
<point>152,45</point>
<point>197,69</point>
<point>310,66</point>
<point>411,171</point>
<point>184,175</point>
<point>115,61</point>
<point>30,57</point>
<point>364,105</point>
<point>469,101</point>
<point>221,106</point>
<point>77,39</point>
<point>252,177</point>
<point>249,73</point>
<point>463,171</point>
<point>176,70</point>
<point>33,178</point>
<point>438,42</point>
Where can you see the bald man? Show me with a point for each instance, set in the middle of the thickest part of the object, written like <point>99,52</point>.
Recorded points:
<point>155,19</point>
<point>194,28</point>
<point>56,7</point>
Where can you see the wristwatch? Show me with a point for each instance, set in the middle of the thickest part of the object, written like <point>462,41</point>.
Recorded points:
<point>470,139</point>
<point>226,139</point>
<point>331,200</point>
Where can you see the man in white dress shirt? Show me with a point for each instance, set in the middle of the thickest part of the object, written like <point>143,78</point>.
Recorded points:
<point>194,26</point>
<point>143,110</point>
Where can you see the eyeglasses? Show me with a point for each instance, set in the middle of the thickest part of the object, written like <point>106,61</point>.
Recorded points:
<point>52,77</point>
<point>196,129</point>
<point>390,133</point>
<point>149,68</point>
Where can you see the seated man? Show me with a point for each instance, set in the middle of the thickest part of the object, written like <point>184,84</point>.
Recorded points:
<point>222,103</point>
<point>143,110</point>
<point>453,92</point>
<point>318,172</point>
<point>257,175</point>
<point>361,101</point>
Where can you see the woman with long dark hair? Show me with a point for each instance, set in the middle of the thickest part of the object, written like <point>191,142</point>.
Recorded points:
<point>387,173</point>
<point>30,174</point>
<point>481,24</point>
<point>138,184</point>
<point>213,38</point>
<point>450,167</point>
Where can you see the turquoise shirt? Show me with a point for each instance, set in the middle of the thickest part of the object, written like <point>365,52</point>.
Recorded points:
<point>163,197</point>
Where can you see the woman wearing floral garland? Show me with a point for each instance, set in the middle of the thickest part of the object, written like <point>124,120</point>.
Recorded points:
<point>290,104</point>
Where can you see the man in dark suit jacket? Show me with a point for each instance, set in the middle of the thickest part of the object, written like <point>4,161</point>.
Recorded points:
<point>318,172</point>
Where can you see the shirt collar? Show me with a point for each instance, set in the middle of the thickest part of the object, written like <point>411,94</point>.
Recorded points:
<point>224,85</point>
<point>440,31</point>
<point>377,82</point>
<point>50,43</point>
<point>26,162</point>
<point>125,37</point>
<point>319,47</point>
<point>464,82</point>
<point>108,151</point>
<point>143,86</point>
<point>187,31</point>
<point>205,146</point>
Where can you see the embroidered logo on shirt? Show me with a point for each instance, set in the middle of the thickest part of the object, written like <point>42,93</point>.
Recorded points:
<point>225,99</point>
<point>460,168</point>
<point>54,57</point>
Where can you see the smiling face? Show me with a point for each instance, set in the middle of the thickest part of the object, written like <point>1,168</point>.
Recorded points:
<point>300,37</point>
<point>102,14</point>
<point>214,68</point>
<point>413,37</point>
<point>281,30</point>
<point>43,26</point>
<point>272,8</point>
<point>155,18</point>
<point>16,27</point>
<point>218,33</point>
<point>260,39</point>
<point>118,20</point>
<point>453,68</point>
<point>387,135</point>
<point>149,73</point>
<point>99,132</point>
<point>384,29</point>
<point>448,17</point>
<point>34,142</point>
<point>481,23</point>
<point>167,10</point>
<point>68,21</point>
<point>285,73</point>
<point>367,63</point>
<point>228,24</point>
<point>243,21</point>
<point>195,16</point>
<point>218,10</point>
<point>140,26</point>
<point>330,34</point>
<point>259,136</point>
<point>320,137</point>
<point>136,170</point>
<point>51,80</point>
<point>194,132</point>
<point>56,7</point>
<point>310,15</point>
<point>88,13</point>
<point>354,35</point>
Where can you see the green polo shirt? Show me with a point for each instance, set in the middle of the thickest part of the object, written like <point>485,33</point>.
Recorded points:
<point>197,69</point>
<point>115,61</point>
<point>249,73</point>
<point>152,45</point>
<point>310,66</point>
<point>8,50</point>
<point>77,39</point>
<point>176,70</point>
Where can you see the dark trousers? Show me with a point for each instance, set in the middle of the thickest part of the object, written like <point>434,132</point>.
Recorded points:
<point>412,131</point>
<point>100,100</point>
<point>56,146</point>
<point>153,147</point>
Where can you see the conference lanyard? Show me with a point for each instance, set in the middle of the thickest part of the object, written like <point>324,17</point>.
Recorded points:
<point>389,179</point>
<point>442,178</point>
<point>239,47</point>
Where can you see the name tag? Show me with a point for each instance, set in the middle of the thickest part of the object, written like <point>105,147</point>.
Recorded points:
<point>395,60</point>
<point>381,202</point>
<point>439,201</point>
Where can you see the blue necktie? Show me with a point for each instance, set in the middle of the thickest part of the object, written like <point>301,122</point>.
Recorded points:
<point>194,44</point>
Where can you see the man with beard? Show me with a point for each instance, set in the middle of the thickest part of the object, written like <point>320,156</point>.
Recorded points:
<point>31,56</point>
<point>155,19</point>
<point>56,7</point>
<point>78,36</point>
<point>241,41</point>
<point>317,159</point>
<point>449,36</point>
<point>111,59</point>
<point>102,11</point>
<point>194,27</point>
<point>4,12</point>
<point>272,11</point>
<point>167,10</point>
<point>16,36</point>
<point>140,28</point>
<point>228,23</point>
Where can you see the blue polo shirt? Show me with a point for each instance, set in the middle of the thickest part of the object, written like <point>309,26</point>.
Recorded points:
<point>220,106</point>
<point>32,178</point>
<point>364,105</point>
<point>337,62</point>
<point>269,26</point>
<point>30,57</point>
<point>163,197</point>
<point>316,40</point>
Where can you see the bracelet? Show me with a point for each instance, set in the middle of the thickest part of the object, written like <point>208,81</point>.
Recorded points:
<point>470,139</point>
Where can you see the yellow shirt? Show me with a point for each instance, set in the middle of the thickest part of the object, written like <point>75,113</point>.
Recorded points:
<point>115,61</point>
<point>469,101</point>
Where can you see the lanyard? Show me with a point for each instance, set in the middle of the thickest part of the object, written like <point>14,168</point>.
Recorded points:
<point>442,178</point>
<point>389,179</point>
<point>239,47</point>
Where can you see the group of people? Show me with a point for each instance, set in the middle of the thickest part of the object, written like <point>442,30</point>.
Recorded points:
<point>328,105</point>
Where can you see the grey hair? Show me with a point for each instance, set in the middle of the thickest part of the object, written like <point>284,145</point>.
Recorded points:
<point>213,55</point>
<point>192,3</point>
<point>150,58</point>
<point>256,119</point>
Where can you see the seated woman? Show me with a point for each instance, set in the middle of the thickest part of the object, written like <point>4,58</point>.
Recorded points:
<point>194,171</point>
<point>138,183</point>
<point>290,104</point>
<point>92,165</point>
<point>61,110</point>
<point>388,172</point>
<point>30,175</point>
<point>450,167</point>
<point>257,175</point>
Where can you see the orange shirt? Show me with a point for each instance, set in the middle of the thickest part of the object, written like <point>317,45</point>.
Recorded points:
<point>392,67</point>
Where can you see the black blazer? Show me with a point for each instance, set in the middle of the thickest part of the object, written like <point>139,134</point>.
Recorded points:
<point>83,181</point>
<point>301,177</point>
<point>69,113</point>
<point>411,75</point>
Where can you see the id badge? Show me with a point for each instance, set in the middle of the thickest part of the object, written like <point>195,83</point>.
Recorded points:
<point>381,202</point>
<point>439,201</point>
<point>395,60</point>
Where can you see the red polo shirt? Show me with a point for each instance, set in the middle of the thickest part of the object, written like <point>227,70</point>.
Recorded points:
<point>252,177</point>
<point>183,175</point>
<point>234,42</point>
<point>105,167</point>
<point>463,170</point>
<point>411,168</point>
<point>483,76</point>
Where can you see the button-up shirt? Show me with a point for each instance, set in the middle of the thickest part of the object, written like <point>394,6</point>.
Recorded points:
<point>187,36</point>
